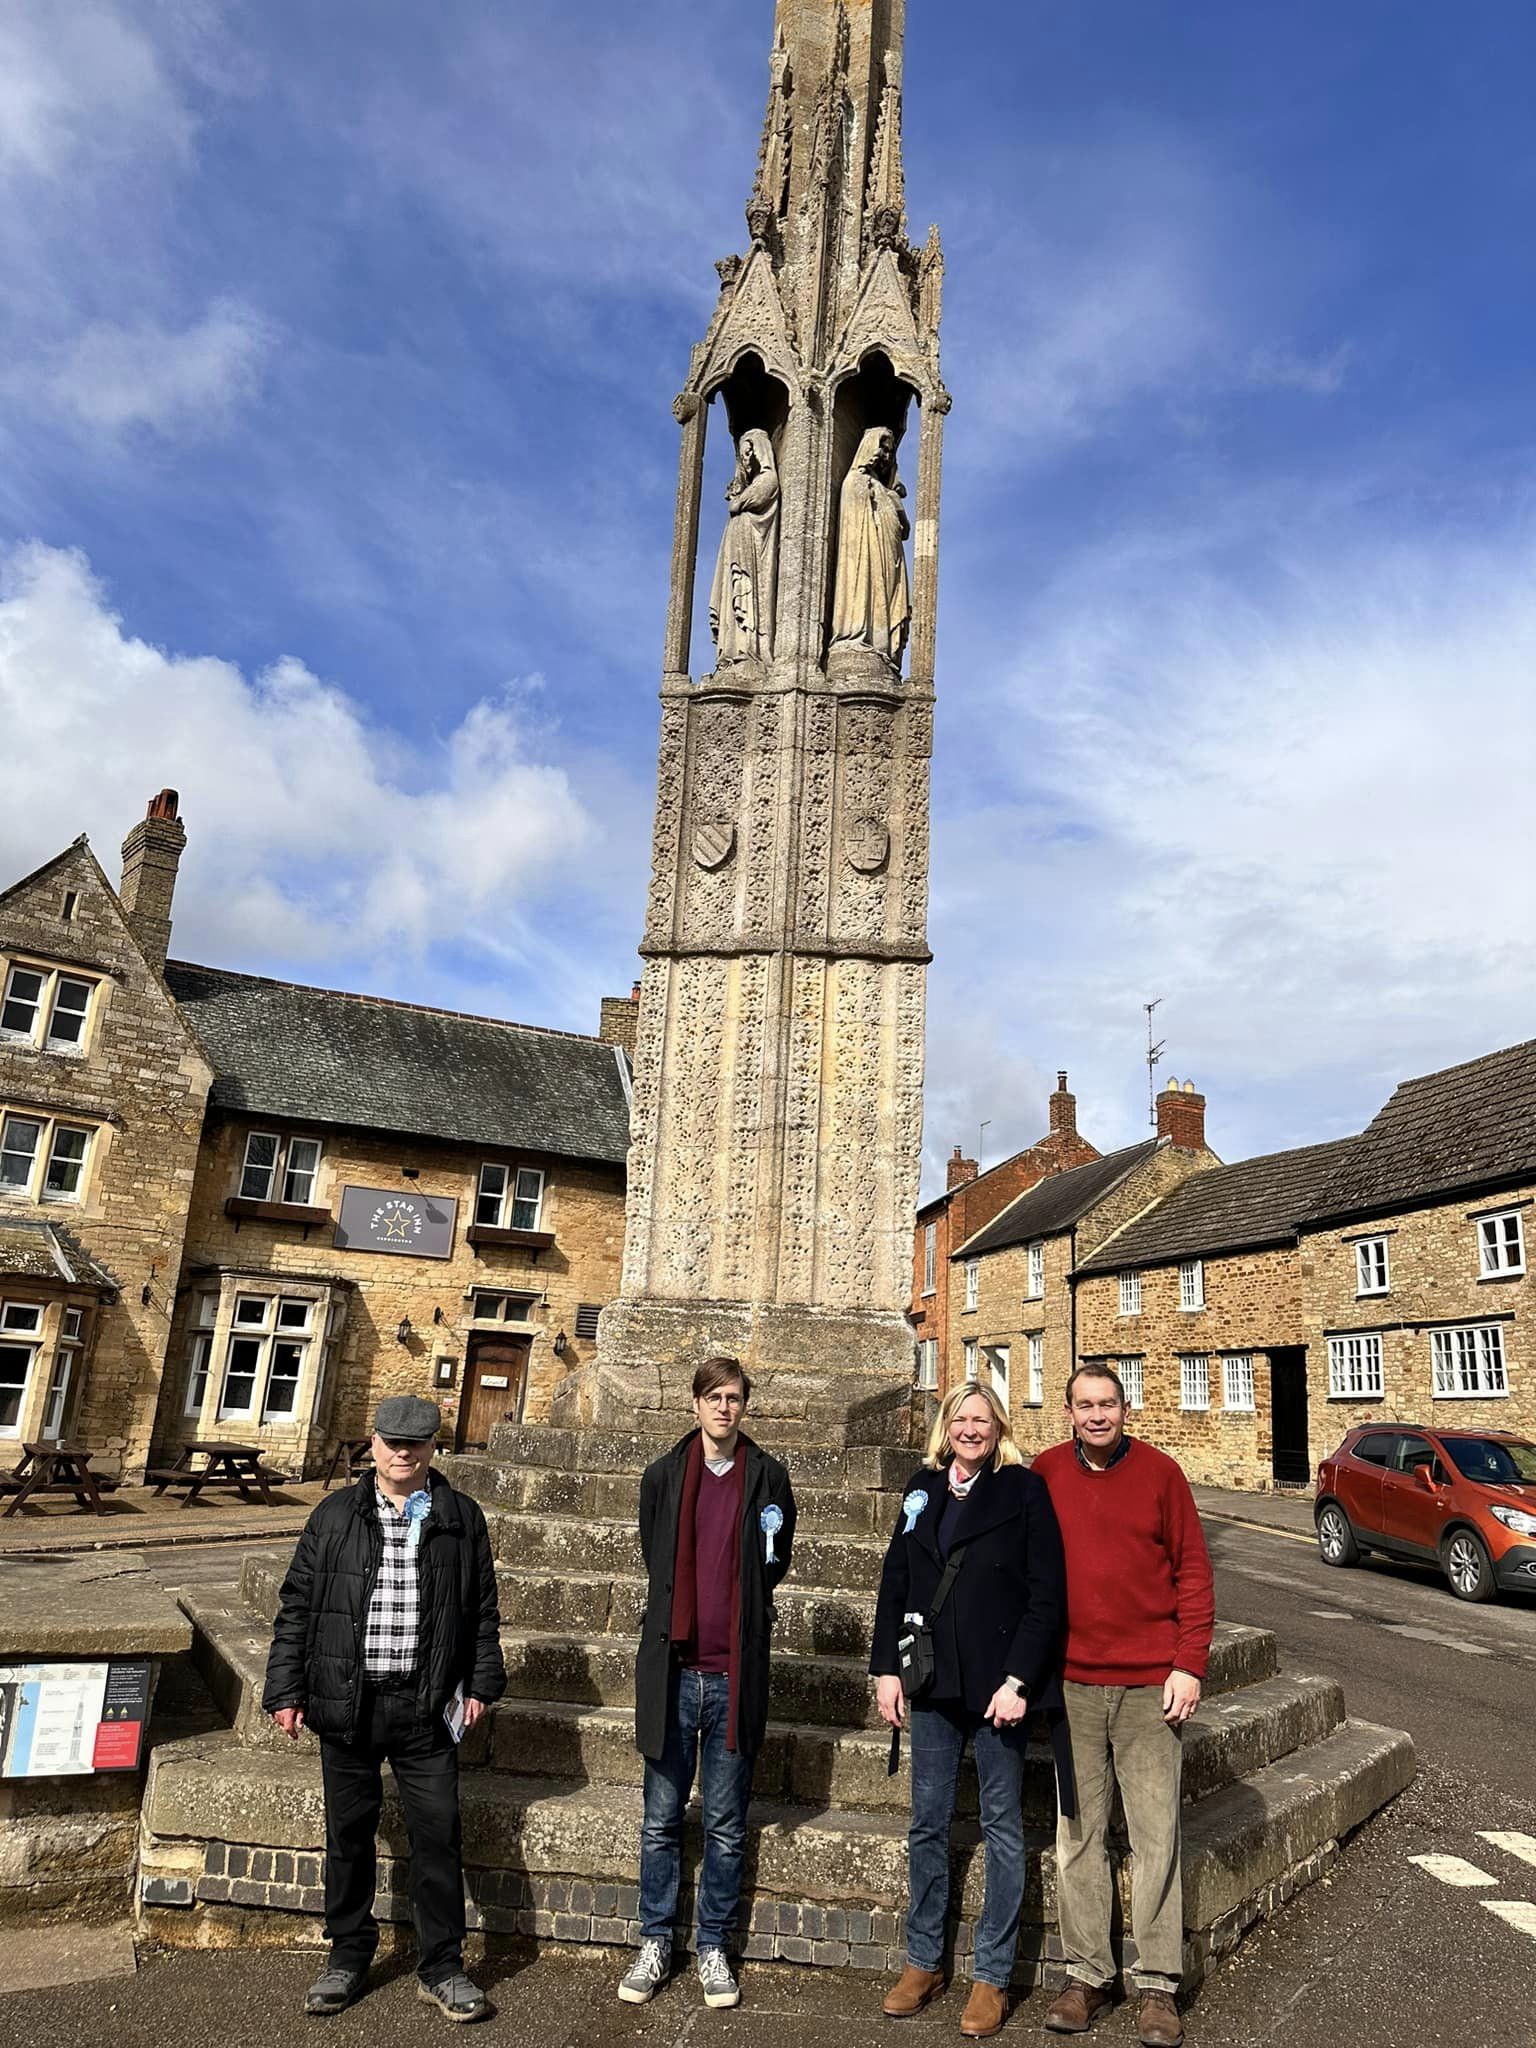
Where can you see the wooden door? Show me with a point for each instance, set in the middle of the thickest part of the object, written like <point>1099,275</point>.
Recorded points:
<point>493,1388</point>
<point>1291,1460</point>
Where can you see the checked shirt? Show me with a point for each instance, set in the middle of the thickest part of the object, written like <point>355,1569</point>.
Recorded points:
<point>389,1635</point>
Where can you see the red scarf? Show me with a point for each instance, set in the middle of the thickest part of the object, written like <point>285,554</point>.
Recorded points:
<point>685,1572</point>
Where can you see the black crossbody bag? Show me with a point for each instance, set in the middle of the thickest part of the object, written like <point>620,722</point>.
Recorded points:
<point>914,1646</point>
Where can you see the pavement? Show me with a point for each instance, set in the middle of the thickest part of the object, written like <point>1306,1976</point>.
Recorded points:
<point>1424,1933</point>
<point>136,1520</point>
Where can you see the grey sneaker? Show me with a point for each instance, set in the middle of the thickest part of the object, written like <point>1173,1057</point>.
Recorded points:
<point>456,1997</point>
<point>720,1986</point>
<point>647,1973</point>
<point>333,1991</point>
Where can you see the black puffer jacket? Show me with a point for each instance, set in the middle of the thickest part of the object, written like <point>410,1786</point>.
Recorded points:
<point>317,1641</point>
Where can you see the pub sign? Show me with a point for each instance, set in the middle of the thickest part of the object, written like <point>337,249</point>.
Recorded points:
<point>386,1220</point>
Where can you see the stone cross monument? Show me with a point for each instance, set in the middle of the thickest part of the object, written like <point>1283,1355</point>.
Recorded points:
<point>777,1123</point>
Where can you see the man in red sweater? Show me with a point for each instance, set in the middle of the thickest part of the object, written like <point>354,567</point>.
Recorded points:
<point>1140,1610</point>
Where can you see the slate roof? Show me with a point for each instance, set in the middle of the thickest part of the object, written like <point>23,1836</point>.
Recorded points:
<point>318,1055</point>
<point>1232,1208</point>
<point>1055,1203</point>
<point>35,1250</point>
<point>1443,1134</point>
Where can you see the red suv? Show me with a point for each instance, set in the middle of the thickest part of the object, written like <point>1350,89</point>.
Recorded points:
<point>1464,1499</point>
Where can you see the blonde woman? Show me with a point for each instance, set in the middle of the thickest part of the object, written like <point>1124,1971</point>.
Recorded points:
<point>996,1655</point>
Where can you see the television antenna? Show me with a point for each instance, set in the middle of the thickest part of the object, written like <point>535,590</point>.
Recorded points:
<point>1154,1054</point>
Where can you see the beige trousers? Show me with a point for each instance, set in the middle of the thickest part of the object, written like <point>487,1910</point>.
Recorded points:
<point>1119,1736</point>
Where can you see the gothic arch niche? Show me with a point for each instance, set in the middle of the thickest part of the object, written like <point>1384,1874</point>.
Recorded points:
<point>736,574</point>
<point>868,583</point>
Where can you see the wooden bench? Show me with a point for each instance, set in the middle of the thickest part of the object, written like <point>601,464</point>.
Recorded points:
<point>223,1466</point>
<point>53,1469</point>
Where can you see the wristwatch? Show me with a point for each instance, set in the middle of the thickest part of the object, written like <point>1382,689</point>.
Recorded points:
<point>1017,1685</point>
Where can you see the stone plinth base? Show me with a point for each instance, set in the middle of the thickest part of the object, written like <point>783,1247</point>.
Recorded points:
<point>818,1375</point>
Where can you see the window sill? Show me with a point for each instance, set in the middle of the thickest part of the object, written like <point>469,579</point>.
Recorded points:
<point>1381,1396</point>
<point>1478,1394</point>
<point>525,1240</point>
<point>245,1209</point>
<point>1372,1293</point>
<point>1494,1279</point>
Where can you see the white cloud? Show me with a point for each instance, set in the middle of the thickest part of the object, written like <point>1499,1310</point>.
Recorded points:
<point>313,834</point>
<point>1298,809</point>
<point>80,79</point>
<point>1290,369</point>
<point>149,375</point>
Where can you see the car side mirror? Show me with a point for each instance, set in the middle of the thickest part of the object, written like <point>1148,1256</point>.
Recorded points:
<point>1424,1475</point>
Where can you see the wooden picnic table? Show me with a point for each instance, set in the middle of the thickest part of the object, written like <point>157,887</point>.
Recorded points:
<point>55,1468</point>
<point>355,1453</point>
<point>236,1465</point>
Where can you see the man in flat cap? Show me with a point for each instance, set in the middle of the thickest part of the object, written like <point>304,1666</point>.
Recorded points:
<point>387,1646</point>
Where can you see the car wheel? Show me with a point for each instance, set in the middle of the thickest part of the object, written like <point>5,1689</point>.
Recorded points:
<point>1464,1560</point>
<point>1335,1539</point>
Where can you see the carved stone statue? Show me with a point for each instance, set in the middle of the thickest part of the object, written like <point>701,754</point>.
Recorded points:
<point>741,598</point>
<point>872,602</point>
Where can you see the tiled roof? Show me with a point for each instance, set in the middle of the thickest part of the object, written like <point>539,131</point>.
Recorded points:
<point>1227,1208</point>
<point>35,1250</point>
<point>1443,1134</point>
<point>1056,1202</point>
<point>316,1055</point>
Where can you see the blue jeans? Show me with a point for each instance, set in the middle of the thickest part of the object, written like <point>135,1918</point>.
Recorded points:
<point>696,1732</point>
<point>938,1738</point>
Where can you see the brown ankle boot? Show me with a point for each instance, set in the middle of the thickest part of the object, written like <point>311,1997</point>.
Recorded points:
<point>911,1992</point>
<point>1075,2011</point>
<point>1157,2023</point>
<point>985,2011</point>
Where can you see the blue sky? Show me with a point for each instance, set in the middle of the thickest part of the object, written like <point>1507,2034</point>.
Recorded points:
<point>337,347</point>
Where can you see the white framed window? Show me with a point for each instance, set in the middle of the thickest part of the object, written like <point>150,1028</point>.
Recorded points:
<point>199,1354</point>
<point>527,1198</point>
<point>1192,1284</point>
<point>299,1171</point>
<point>1195,1382</point>
<point>1036,1280</point>
<point>1237,1381</point>
<point>1372,1272</point>
<point>1133,1379</point>
<point>16,1363</point>
<point>999,1358</point>
<point>252,1310</point>
<point>264,1357</point>
<point>968,1352</point>
<point>46,1006</point>
<point>21,1139</point>
<point>1037,1370</point>
<point>21,1318</point>
<point>1469,1363</point>
<point>67,1155</point>
<point>930,1256</point>
<point>65,1374</point>
<point>1130,1294</point>
<point>23,1002</point>
<point>286,1364</point>
<point>259,1171</point>
<point>67,1017</point>
<point>1501,1244</point>
<point>972,1282</point>
<point>242,1369</point>
<point>1354,1368</point>
<point>491,1194</point>
<point>279,1170</point>
<point>928,1364</point>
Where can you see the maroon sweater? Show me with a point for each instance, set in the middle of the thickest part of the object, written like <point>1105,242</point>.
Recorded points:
<point>714,1545</point>
<point>1140,1602</point>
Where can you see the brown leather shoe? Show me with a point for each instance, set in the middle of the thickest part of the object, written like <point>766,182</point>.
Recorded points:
<point>911,1992</point>
<point>985,2011</point>
<point>1157,2023</point>
<point>1075,2011</point>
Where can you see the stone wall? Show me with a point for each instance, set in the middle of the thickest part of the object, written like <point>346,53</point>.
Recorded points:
<point>582,1206</point>
<point>1252,1304</point>
<point>1434,1276</point>
<point>140,1084</point>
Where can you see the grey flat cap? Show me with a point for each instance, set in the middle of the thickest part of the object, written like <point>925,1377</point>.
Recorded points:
<point>408,1418</point>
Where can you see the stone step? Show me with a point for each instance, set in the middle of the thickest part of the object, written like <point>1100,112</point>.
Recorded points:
<point>615,1496</point>
<point>564,1543</point>
<point>226,1828</point>
<point>594,1451</point>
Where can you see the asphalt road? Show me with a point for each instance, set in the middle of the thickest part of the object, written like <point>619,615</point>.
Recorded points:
<point>1387,1952</point>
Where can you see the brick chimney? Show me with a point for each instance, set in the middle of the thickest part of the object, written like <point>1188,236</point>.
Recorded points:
<point>619,1020</point>
<point>961,1170</point>
<point>151,856</point>
<point>1181,1116</point>
<point>1063,1108</point>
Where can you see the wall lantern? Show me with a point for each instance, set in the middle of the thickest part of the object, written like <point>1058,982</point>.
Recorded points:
<point>403,1334</point>
<point>559,1346</point>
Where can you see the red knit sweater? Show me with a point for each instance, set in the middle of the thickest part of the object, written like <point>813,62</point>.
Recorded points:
<point>1140,1602</point>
